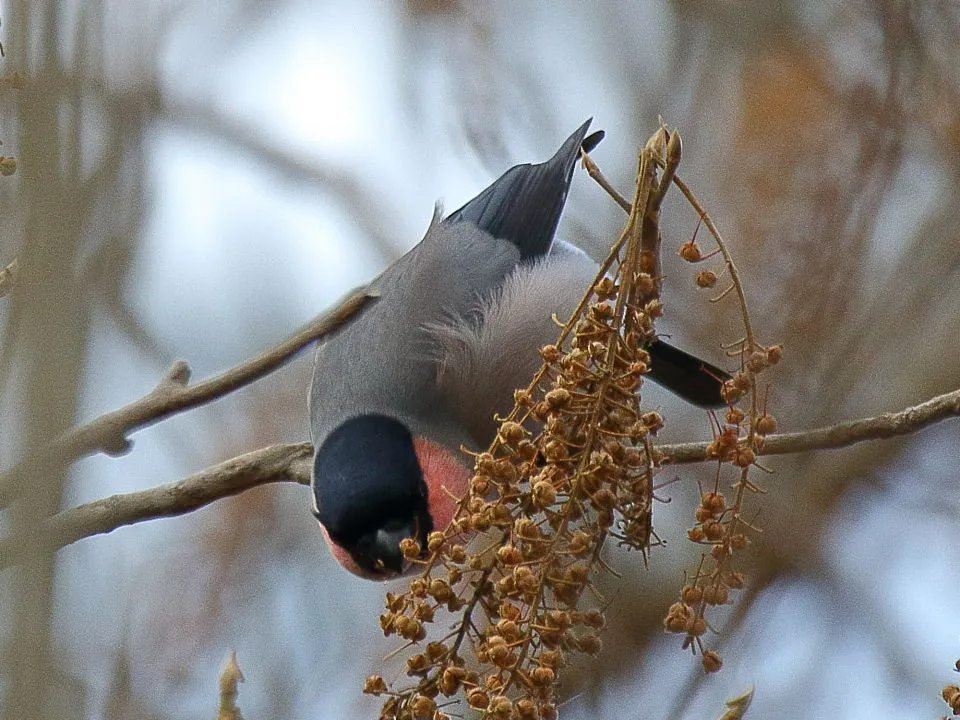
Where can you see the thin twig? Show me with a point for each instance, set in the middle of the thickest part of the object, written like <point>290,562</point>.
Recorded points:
<point>728,261</point>
<point>108,433</point>
<point>887,425</point>
<point>290,463</point>
<point>594,172</point>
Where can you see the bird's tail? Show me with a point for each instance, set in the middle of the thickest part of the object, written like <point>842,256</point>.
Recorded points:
<point>524,205</point>
<point>693,379</point>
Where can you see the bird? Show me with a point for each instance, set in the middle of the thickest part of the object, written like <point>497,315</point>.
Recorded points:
<point>420,372</point>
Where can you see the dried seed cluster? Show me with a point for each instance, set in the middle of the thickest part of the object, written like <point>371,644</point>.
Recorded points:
<point>571,465</point>
<point>720,525</point>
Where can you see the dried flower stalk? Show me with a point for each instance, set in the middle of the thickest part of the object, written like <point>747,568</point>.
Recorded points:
<point>572,466</point>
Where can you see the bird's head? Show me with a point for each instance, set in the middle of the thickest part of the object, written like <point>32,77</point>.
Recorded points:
<point>375,484</point>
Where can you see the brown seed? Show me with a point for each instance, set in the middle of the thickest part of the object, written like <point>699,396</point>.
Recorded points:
<point>451,678</point>
<point>509,611</point>
<point>757,361</point>
<point>543,494</point>
<point>691,594</point>
<point>653,309</point>
<point>690,252</point>
<point>386,623</point>
<point>605,288</point>
<point>766,424</point>
<point>436,650</point>
<point>603,499</point>
<point>417,664</point>
<point>734,416</point>
<point>714,502</point>
<point>512,432</point>
<point>500,707</point>
<point>594,618</point>
<point>703,514</point>
<point>423,612</point>
<point>712,662</point>
<point>524,709</point>
<point>551,658</point>
<point>558,398</point>
<point>696,626</point>
<point>374,685</point>
<point>510,630</point>
<point>644,284</point>
<point>542,675</point>
<point>706,279</point>
<point>440,590</point>
<point>478,699</point>
<point>713,530</point>
<point>602,310</point>
<point>510,555</point>
<point>410,548</point>
<point>590,644</point>
<point>550,353</point>
<point>744,457</point>
<point>653,421</point>
<point>435,541</point>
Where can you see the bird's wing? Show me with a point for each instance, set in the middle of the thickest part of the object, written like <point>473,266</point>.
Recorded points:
<point>385,361</point>
<point>525,204</point>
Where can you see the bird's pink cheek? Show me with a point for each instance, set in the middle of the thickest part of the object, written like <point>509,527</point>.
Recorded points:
<point>345,559</point>
<point>446,479</point>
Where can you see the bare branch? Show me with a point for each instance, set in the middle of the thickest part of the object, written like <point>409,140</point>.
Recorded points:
<point>108,433</point>
<point>888,425</point>
<point>290,463</point>
<point>270,464</point>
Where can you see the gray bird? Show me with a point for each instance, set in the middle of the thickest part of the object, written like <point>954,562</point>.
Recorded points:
<point>423,370</point>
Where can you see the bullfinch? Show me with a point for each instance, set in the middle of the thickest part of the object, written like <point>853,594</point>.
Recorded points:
<point>421,372</point>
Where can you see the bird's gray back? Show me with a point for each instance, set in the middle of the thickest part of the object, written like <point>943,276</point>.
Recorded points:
<point>385,361</point>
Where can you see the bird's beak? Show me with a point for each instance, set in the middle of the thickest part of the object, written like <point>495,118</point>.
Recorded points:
<point>386,547</point>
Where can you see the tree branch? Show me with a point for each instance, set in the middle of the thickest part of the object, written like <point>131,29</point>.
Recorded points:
<point>290,463</point>
<point>276,463</point>
<point>887,425</point>
<point>108,433</point>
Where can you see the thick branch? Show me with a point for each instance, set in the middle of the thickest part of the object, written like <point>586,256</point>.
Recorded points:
<point>270,464</point>
<point>108,433</point>
<point>290,463</point>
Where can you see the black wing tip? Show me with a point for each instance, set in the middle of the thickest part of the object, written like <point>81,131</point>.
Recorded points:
<point>687,376</point>
<point>523,205</point>
<point>569,151</point>
<point>592,140</point>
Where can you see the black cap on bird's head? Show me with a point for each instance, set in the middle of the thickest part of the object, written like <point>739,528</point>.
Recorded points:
<point>371,494</point>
